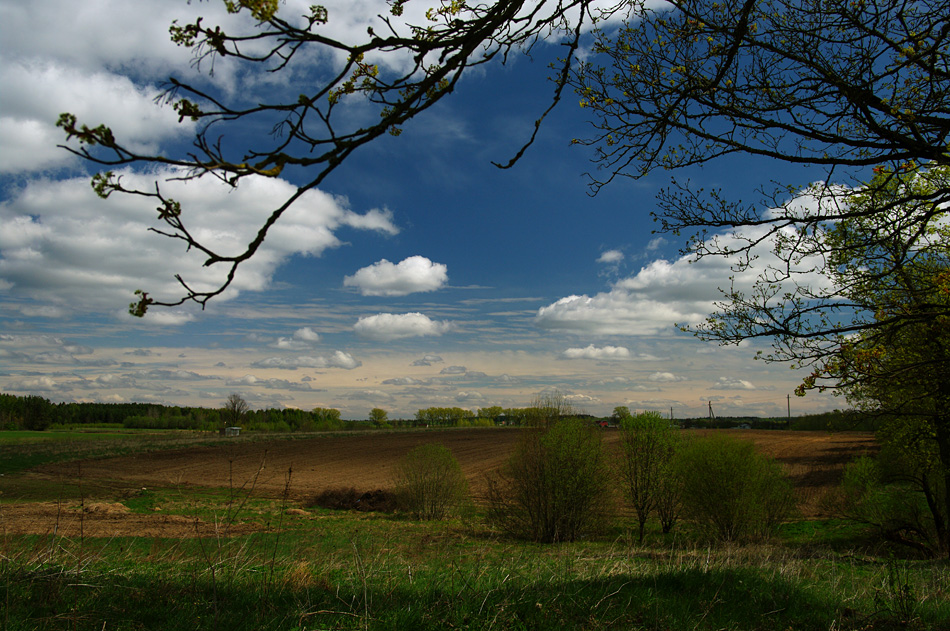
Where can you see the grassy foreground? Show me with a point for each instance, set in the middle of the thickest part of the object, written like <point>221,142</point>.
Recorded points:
<point>308,568</point>
<point>325,570</point>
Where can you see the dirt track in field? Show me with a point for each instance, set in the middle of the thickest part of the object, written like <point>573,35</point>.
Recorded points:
<point>813,460</point>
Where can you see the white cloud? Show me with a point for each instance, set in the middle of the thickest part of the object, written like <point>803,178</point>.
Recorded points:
<point>35,94</point>
<point>306,334</point>
<point>167,375</point>
<point>611,257</point>
<point>453,370</point>
<point>595,352</point>
<point>338,359</point>
<point>615,313</point>
<point>96,33</point>
<point>270,384</point>
<point>469,397</point>
<point>414,274</point>
<point>665,377</point>
<point>35,384</point>
<point>664,293</point>
<point>404,381</point>
<point>732,383</point>
<point>428,360</point>
<point>385,327</point>
<point>655,244</point>
<point>67,249</point>
<point>303,339</point>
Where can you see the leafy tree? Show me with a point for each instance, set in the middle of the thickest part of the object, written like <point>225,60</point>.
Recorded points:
<point>444,416</point>
<point>897,367</point>
<point>647,446</point>
<point>430,483</point>
<point>491,413</point>
<point>399,70</point>
<point>894,494</point>
<point>378,416</point>
<point>548,407</point>
<point>326,418</point>
<point>621,413</point>
<point>555,487</point>
<point>235,409</point>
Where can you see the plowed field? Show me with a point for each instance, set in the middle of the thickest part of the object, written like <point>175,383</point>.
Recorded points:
<point>366,461</point>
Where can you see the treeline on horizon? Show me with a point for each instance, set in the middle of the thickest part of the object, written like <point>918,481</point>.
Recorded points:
<point>37,413</point>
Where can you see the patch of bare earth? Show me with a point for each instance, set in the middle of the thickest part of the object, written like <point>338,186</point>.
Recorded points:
<point>103,519</point>
<point>813,460</point>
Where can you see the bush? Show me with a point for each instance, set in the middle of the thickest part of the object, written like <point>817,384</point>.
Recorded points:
<point>430,483</point>
<point>554,487</point>
<point>730,491</point>
<point>896,501</point>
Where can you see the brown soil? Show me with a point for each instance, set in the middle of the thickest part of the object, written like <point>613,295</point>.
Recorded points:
<point>814,460</point>
<point>103,519</point>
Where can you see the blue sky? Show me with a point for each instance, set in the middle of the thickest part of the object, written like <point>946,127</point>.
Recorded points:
<point>419,275</point>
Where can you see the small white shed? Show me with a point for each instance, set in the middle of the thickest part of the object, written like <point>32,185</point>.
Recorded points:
<point>232,431</point>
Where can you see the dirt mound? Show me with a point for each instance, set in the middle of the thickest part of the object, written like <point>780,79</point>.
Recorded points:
<point>106,508</point>
<point>377,501</point>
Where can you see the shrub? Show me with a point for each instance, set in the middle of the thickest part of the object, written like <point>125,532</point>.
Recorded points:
<point>731,491</point>
<point>895,500</point>
<point>430,483</point>
<point>554,487</point>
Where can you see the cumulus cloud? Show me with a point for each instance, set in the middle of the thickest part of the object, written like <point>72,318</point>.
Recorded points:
<point>453,370</point>
<point>302,339</point>
<point>732,383</point>
<point>405,381</point>
<point>414,274</point>
<point>36,92</point>
<point>42,383</point>
<point>46,349</point>
<point>428,360</point>
<point>663,293</point>
<point>62,246</point>
<point>338,359</point>
<point>469,397</point>
<point>386,327</point>
<point>270,384</point>
<point>167,375</point>
<point>617,312</point>
<point>306,334</point>
<point>665,377</point>
<point>594,352</point>
<point>655,244</point>
<point>611,257</point>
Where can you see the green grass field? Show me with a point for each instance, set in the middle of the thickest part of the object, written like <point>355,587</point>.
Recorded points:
<point>318,569</point>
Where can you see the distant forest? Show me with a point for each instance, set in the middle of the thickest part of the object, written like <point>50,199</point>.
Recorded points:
<point>37,413</point>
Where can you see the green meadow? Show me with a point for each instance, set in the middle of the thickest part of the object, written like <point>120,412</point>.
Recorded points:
<point>294,566</point>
